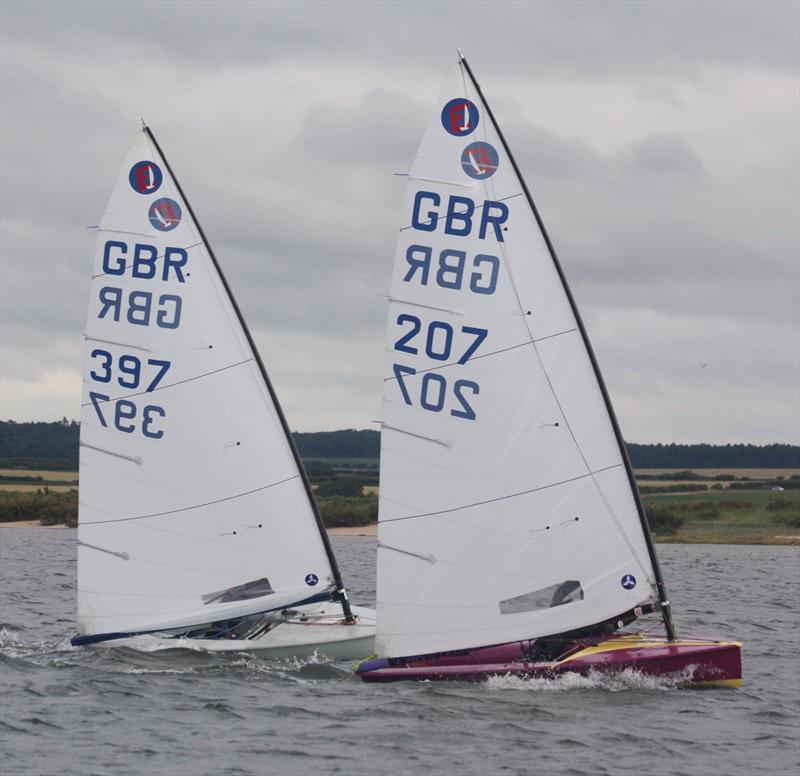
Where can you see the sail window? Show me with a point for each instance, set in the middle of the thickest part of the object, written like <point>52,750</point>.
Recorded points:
<point>555,595</point>
<point>254,589</point>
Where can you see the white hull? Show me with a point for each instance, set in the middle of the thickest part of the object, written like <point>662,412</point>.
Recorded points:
<point>316,629</point>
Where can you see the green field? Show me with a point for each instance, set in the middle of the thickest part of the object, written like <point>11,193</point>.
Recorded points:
<point>349,463</point>
<point>735,517</point>
<point>30,480</point>
<point>749,514</point>
<point>753,474</point>
<point>45,475</point>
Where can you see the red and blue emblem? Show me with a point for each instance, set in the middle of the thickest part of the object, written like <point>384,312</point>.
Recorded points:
<point>480,160</point>
<point>460,117</point>
<point>145,177</point>
<point>164,214</point>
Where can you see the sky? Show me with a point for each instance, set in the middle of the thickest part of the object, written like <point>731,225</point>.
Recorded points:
<point>660,141</point>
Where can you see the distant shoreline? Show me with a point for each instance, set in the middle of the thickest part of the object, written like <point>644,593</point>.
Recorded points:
<point>32,524</point>
<point>371,531</point>
<point>355,530</point>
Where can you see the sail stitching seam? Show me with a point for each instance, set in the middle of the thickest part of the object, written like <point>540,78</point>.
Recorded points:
<point>484,355</point>
<point>169,385</point>
<point>185,509</point>
<point>611,512</point>
<point>501,498</point>
<point>187,248</point>
<point>490,185</point>
<point>477,207</point>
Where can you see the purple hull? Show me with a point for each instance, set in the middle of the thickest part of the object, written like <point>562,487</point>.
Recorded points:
<point>692,661</point>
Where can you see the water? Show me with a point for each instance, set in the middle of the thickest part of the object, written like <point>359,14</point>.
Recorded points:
<point>80,711</point>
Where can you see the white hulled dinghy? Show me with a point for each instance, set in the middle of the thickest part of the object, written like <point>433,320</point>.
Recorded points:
<point>197,526</point>
<point>512,539</point>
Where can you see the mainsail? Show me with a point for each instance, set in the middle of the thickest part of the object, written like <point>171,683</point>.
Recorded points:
<point>508,509</point>
<point>194,506</point>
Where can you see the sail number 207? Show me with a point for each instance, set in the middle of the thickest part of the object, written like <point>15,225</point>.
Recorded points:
<point>434,392</point>
<point>437,341</point>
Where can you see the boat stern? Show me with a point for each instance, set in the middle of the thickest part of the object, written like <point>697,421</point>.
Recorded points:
<point>691,662</point>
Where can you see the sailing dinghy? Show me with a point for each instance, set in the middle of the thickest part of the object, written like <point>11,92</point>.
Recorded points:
<point>512,539</point>
<point>197,526</point>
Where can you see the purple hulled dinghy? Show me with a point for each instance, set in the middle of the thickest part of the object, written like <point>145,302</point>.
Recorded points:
<point>690,662</point>
<point>509,513</point>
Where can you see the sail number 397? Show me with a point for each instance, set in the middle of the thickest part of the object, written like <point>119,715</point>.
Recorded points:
<point>131,372</point>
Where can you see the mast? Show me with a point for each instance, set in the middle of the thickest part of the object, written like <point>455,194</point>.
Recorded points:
<point>666,611</point>
<point>341,593</point>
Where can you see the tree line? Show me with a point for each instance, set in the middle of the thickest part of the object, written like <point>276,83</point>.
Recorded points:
<point>54,445</point>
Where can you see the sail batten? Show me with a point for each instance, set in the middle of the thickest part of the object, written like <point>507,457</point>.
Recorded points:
<point>533,413</point>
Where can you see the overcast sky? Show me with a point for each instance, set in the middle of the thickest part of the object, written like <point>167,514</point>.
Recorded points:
<point>660,141</point>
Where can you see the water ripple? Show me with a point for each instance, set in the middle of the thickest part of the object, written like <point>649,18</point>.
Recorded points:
<point>103,711</point>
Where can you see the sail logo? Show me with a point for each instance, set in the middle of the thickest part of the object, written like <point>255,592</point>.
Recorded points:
<point>480,160</point>
<point>628,581</point>
<point>311,579</point>
<point>145,177</point>
<point>164,214</point>
<point>460,117</point>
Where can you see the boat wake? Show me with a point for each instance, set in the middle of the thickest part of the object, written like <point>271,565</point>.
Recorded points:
<point>620,681</point>
<point>13,646</point>
<point>54,653</point>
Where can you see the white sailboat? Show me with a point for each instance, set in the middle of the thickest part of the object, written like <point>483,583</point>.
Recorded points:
<point>510,526</point>
<point>197,525</point>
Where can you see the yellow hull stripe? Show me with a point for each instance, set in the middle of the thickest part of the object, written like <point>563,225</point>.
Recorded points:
<point>714,683</point>
<point>639,641</point>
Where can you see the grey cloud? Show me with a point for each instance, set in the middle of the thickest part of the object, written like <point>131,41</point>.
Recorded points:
<point>285,122</point>
<point>667,154</point>
<point>380,128</point>
<point>590,38</point>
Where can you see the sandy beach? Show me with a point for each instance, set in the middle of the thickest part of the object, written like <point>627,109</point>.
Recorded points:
<point>356,530</point>
<point>29,524</point>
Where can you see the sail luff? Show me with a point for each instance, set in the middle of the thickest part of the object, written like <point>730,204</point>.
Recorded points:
<point>660,585</point>
<point>337,576</point>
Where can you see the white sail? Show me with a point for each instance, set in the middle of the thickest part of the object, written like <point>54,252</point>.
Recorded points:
<point>506,511</point>
<point>192,505</point>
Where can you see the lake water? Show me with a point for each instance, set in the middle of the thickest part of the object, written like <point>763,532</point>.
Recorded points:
<point>81,711</point>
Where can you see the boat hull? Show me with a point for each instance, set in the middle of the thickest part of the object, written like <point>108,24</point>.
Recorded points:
<point>316,630</point>
<point>694,662</point>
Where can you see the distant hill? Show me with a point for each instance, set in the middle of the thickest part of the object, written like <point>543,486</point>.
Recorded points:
<point>338,444</point>
<point>702,456</point>
<point>52,446</point>
<point>55,446</point>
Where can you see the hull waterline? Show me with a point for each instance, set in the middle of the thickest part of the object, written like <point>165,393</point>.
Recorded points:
<point>316,630</point>
<point>694,662</point>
